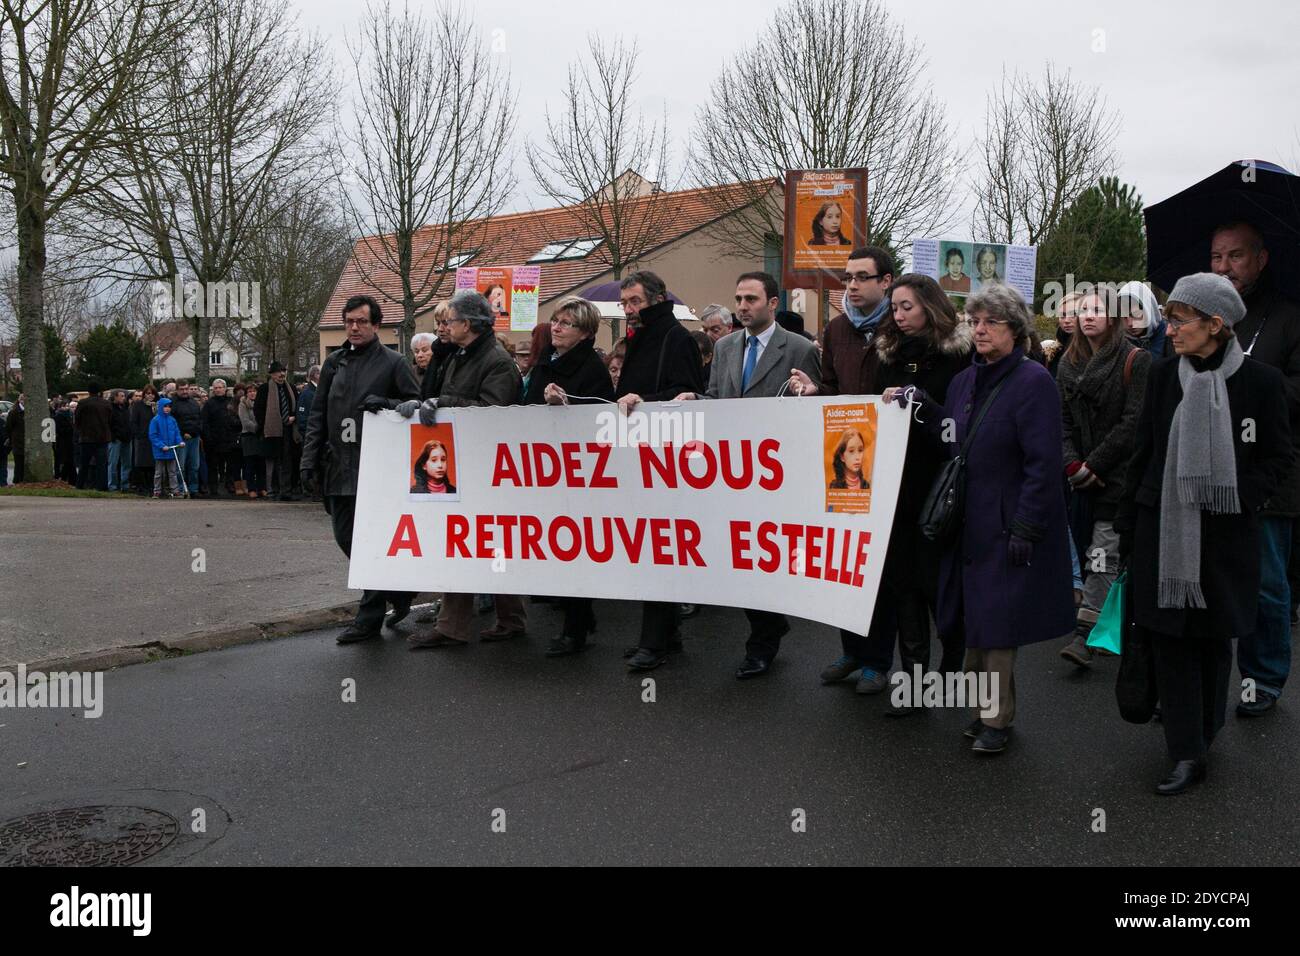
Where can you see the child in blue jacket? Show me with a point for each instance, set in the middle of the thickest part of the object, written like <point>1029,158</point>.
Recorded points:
<point>164,435</point>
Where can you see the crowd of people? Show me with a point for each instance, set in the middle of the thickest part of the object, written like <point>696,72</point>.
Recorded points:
<point>186,442</point>
<point>1148,437</point>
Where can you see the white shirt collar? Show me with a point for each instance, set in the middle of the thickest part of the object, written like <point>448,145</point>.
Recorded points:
<point>763,337</point>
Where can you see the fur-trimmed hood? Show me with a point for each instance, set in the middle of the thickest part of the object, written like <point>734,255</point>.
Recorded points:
<point>961,341</point>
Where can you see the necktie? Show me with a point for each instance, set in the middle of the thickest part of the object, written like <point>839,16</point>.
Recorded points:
<point>751,356</point>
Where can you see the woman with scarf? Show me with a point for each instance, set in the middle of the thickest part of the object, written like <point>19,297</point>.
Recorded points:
<point>250,445</point>
<point>1067,324</point>
<point>1140,313</point>
<point>141,450</point>
<point>1213,443</point>
<point>1102,379</point>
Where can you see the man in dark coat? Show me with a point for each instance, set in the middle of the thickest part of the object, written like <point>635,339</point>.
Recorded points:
<point>363,373</point>
<point>1270,333</point>
<point>662,361</point>
<point>757,364</point>
<point>850,364</point>
<point>119,450</point>
<point>480,374</point>
<point>188,415</point>
<point>221,428</point>
<point>94,421</point>
<point>274,410</point>
<point>303,414</point>
<point>14,424</point>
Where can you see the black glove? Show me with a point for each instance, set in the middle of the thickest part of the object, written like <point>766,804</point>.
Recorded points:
<point>909,394</point>
<point>308,478</point>
<point>1020,551</point>
<point>374,403</point>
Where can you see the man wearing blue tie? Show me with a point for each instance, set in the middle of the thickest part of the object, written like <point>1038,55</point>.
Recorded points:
<point>757,363</point>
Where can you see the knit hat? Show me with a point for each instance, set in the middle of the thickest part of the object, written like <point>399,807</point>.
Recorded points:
<point>1211,294</point>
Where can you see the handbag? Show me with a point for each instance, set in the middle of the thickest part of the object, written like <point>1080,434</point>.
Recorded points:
<point>1135,684</point>
<point>944,510</point>
<point>1108,632</point>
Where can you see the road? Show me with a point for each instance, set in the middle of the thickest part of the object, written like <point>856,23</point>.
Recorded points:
<point>582,770</point>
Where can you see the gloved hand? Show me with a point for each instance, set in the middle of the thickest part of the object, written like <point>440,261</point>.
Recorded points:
<point>428,412</point>
<point>1084,478</point>
<point>909,395</point>
<point>374,403</point>
<point>407,409</point>
<point>1020,551</point>
<point>308,478</point>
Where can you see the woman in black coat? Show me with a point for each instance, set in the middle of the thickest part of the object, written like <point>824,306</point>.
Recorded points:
<point>921,344</point>
<point>570,372</point>
<point>1201,470</point>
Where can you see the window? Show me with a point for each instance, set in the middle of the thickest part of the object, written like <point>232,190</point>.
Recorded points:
<point>582,248</point>
<point>252,363</point>
<point>460,259</point>
<point>551,251</point>
<point>567,249</point>
<point>216,357</point>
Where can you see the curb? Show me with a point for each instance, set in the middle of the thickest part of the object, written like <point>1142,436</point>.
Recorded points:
<point>195,642</point>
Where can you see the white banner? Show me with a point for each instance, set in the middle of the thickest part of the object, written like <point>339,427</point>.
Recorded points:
<point>777,504</point>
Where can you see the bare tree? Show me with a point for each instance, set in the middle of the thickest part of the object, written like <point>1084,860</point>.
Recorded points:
<point>828,84</point>
<point>295,261</point>
<point>67,70</point>
<point>428,161</point>
<point>604,161</point>
<point>1044,143</point>
<point>243,101</point>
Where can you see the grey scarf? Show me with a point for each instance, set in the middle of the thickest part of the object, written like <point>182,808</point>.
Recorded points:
<point>1200,475</point>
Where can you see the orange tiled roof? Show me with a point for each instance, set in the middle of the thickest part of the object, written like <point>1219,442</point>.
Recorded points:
<point>513,239</point>
<point>167,337</point>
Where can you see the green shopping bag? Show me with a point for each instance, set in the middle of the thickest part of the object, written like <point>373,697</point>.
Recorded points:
<point>1110,622</point>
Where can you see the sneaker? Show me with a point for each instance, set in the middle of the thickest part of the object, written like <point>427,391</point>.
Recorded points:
<point>991,740</point>
<point>871,682</point>
<point>1077,652</point>
<point>842,668</point>
<point>157,494</point>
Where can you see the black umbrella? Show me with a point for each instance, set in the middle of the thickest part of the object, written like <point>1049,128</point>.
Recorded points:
<point>1262,194</point>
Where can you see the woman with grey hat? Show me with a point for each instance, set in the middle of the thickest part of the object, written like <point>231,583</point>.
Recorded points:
<point>1213,443</point>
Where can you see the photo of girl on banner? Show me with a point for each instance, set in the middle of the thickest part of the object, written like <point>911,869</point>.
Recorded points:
<point>432,464</point>
<point>849,441</point>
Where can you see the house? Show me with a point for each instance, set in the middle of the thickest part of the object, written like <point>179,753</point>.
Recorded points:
<point>688,256</point>
<point>173,353</point>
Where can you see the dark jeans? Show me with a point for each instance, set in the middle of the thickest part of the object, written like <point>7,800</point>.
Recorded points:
<point>1192,677</point>
<point>658,625</point>
<point>19,475</point>
<point>875,649</point>
<point>65,463</point>
<point>370,615</point>
<point>4,463</point>
<point>255,473</point>
<point>765,631</point>
<point>93,465</point>
<point>220,473</point>
<point>1265,655</point>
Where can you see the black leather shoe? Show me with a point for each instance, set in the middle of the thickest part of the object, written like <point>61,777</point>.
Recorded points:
<point>1258,707</point>
<point>645,659</point>
<point>973,729</point>
<point>355,634</point>
<point>564,645</point>
<point>752,667</point>
<point>1185,774</point>
<point>992,740</point>
<point>400,611</point>
<point>674,647</point>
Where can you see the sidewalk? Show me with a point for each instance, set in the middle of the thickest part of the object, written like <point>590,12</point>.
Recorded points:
<point>85,578</point>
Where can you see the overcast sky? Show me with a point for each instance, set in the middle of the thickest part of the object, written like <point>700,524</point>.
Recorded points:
<point>1197,84</point>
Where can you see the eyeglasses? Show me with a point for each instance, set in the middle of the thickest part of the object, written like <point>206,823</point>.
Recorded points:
<point>1174,323</point>
<point>985,320</point>
<point>860,277</point>
<point>350,323</point>
<point>562,324</point>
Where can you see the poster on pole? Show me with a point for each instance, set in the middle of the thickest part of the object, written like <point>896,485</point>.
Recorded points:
<point>825,219</point>
<point>512,291</point>
<point>962,267</point>
<point>785,506</point>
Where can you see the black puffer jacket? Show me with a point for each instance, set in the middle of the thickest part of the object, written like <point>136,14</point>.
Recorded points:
<point>221,424</point>
<point>346,378</point>
<point>578,371</point>
<point>662,359</point>
<point>1099,416</point>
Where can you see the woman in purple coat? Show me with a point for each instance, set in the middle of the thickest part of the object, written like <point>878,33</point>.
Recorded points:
<point>1005,581</point>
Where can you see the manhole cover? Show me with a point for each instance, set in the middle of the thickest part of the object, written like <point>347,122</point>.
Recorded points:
<point>86,836</point>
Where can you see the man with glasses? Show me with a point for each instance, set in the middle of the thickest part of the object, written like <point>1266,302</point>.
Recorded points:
<point>849,365</point>
<point>360,376</point>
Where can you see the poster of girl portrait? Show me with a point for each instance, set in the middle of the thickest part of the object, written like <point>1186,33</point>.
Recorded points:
<point>431,468</point>
<point>849,446</point>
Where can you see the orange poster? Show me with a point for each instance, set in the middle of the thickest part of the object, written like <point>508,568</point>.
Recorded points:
<point>431,464</point>
<point>848,456</point>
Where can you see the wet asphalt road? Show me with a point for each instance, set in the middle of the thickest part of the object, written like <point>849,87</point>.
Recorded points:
<point>586,772</point>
